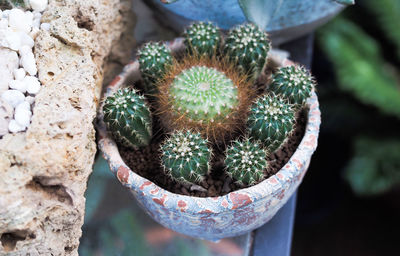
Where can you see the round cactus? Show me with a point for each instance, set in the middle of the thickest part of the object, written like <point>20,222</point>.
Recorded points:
<point>294,83</point>
<point>246,161</point>
<point>202,38</point>
<point>271,120</point>
<point>154,59</point>
<point>247,46</point>
<point>186,157</point>
<point>128,118</point>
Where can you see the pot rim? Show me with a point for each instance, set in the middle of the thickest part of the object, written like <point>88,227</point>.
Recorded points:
<point>293,169</point>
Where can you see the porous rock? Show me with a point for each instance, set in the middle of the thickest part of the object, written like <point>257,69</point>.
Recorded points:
<point>44,171</point>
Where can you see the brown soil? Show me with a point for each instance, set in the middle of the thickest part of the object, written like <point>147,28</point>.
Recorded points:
<point>146,162</point>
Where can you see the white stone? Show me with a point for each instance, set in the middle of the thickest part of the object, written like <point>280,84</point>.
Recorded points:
<point>8,62</point>
<point>19,74</point>
<point>5,13</point>
<point>10,39</point>
<point>23,105</point>
<point>22,115</point>
<point>28,63</point>
<point>32,84</point>
<point>19,21</point>
<point>14,127</point>
<point>3,23</point>
<point>45,26</point>
<point>36,23</point>
<point>38,5</point>
<point>30,99</point>
<point>6,110</point>
<point>13,97</point>
<point>24,50</point>
<point>34,32</point>
<point>26,39</point>
<point>18,85</point>
<point>37,15</point>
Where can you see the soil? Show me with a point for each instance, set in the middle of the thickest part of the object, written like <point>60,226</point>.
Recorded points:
<point>146,162</point>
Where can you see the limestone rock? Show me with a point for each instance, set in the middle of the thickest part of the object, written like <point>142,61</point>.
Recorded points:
<point>45,170</point>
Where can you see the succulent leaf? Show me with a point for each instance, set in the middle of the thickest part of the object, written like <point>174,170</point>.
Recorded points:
<point>128,118</point>
<point>186,157</point>
<point>247,46</point>
<point>271,121</point>
<point>294,83</point>
<point>202,38</point>
<point>154,59</point>
<point>246,161</point>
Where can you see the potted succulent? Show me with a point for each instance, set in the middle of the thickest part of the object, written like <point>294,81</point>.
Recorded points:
<point>215,134</point>
<point>283,19</point>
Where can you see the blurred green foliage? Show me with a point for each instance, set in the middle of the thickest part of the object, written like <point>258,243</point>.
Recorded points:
<point>362,70</point>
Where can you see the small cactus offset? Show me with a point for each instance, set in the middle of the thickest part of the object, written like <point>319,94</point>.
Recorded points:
<point>154,59</point>
<point>246,161</point>
<point>247,46</point>
<point>202,38</point>
<point>294,83</point>
<point>271,121</point>
<point>128,118</point>
<point>186,157</point>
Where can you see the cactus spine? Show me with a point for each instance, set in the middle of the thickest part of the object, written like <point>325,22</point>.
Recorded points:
<point>154,59</point>
<point>247,46</point>
<point>128,118</point>
<point>271,120</point>
<point>186,157</point>
<point>202,38</point>
<point>246,161</point>
<point>294,83</point>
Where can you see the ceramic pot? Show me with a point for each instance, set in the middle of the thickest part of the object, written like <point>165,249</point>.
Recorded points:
<point>289,19</point>
<point>213,218</point>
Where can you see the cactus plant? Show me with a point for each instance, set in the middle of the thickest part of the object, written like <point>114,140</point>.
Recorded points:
<point>246,161</point>
<point>154,59</point>
<point>128,118</point>
<point>186,157</point>
<point>271,120</point>
<point>294,82</point>
<point>247,46</point>
<point>202,38</point>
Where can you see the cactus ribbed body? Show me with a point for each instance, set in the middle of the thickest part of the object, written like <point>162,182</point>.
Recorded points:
<point>203,94</point>
<point>202,38</point>
<point>128,118</point>
<point>271,120</point>
<point>186,157</point>
<point>154,59</point>
<point>294,83</point>
<point>247,46</point>
<point>246,161</point>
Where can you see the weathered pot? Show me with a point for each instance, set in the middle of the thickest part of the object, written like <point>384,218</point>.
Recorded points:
<point>213,218</point>
<point>290,19</point>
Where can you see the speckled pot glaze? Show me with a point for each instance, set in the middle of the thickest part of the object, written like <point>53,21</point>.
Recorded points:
<point>213,218</point>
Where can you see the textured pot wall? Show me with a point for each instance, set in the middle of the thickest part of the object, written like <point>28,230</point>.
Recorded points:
<point>45,170</point>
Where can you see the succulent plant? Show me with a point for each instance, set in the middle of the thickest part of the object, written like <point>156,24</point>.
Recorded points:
<point>154,59</point>
<point>271,120</point>
<point>294,83</point>
<point>246,161</point>
<point>202,38</point>
<point>128,118</point>
<point>247,46</point>
<point>186,157</point>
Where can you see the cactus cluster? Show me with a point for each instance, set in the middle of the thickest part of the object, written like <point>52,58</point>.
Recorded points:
<point>205,97</point>
<point>248,47</point>
<point>128,118</point>
<point>202,38</point>
<point>186,157</point>
<point>246,161</point>
<point>294,83</point>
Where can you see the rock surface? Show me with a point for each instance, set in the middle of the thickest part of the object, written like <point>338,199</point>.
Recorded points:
<point>45,170</point>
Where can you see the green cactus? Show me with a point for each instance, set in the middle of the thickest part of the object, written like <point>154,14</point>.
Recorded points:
<point>294,83</point>
<point>154,59</point>
<point>128,118</point>
<point>271,120</point>
<point>202,38</point>
<point>246,161</point>
<point>247,46</point>
<point>186,157</point>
